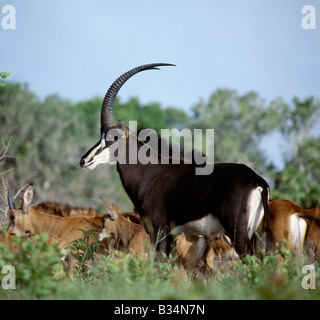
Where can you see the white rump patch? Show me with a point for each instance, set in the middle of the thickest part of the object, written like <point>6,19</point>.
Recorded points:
<point>297,232</point>
<point>207,226</point>
<point>255,211</point>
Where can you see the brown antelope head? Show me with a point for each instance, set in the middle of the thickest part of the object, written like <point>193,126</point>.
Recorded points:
<point>109,224</point>
<point>128,235</point>
<point>112,137</point>
<point>19,224</point>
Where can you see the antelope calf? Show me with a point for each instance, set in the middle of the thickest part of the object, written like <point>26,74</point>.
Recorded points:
<point>192,250</point>
<point>8,240</point>
<point>64,210</point>
<point>128,235</point>
<point>27,220</point>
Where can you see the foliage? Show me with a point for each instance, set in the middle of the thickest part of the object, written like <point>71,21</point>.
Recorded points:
<point>240,122</point>
<point>47,139</point>
<point>269,278</point>
<point>53,134</point>
<point>4,75</point>
<point>83,250</point>
<point>299,180</point>
<point>121,276</point>
<point>37,264</point>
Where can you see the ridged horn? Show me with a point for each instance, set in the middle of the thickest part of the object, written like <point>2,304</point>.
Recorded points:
<point>107,105</point>
<point>10,199</point>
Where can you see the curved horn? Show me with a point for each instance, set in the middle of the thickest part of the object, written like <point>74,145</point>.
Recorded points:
<point>107,105</point>
<point>10,199</point>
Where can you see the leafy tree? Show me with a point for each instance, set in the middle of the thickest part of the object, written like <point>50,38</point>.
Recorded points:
<point>240,122</point>
<point>4,75</point>
<point>49,137</point>
<point>299,180</point>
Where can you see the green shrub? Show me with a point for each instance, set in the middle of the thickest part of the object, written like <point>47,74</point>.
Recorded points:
<point>83,251</point>
<point>37,264</point>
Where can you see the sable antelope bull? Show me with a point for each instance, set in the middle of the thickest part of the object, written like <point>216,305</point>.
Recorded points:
<point>27,220</point>
<point>171,197</point>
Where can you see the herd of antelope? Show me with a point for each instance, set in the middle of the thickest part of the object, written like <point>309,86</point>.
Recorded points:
<point>203,218</point>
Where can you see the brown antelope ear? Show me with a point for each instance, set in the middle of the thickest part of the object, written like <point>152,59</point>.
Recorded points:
<point>111,212</point>
<point>109,216</point>
<point>27,198</point>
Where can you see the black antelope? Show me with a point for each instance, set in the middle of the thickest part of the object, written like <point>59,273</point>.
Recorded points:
<point>171,197</point>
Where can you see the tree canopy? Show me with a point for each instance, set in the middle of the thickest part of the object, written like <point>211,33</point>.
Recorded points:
<point>48,138</point>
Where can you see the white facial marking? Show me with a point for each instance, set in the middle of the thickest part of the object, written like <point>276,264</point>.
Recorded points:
<point>105,232</point>
<point>100,158</point>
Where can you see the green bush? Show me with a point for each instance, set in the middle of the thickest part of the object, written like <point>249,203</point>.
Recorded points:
<point>38,266</point>
<point>83,251</point>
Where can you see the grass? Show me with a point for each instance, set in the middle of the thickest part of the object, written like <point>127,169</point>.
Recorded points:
<point>123,276</point>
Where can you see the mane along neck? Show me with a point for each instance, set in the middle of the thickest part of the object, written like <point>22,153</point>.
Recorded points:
<point>160,150</point>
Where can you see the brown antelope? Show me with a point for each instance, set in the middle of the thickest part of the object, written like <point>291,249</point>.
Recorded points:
<point>28,220</point>
<point>220,249</point>
<point>129,236</point>
<point>288,225</point>
<point>64,210</point>
<point>8,240</point>
<point>313,230</point>
<point>192,250</point>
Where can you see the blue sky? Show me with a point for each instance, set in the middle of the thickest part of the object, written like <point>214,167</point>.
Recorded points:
<point>77,48</point>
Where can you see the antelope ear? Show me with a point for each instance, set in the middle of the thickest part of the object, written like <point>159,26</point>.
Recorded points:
<point>109,216</point>
<point>111,213</point>
<point>27,198</point>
